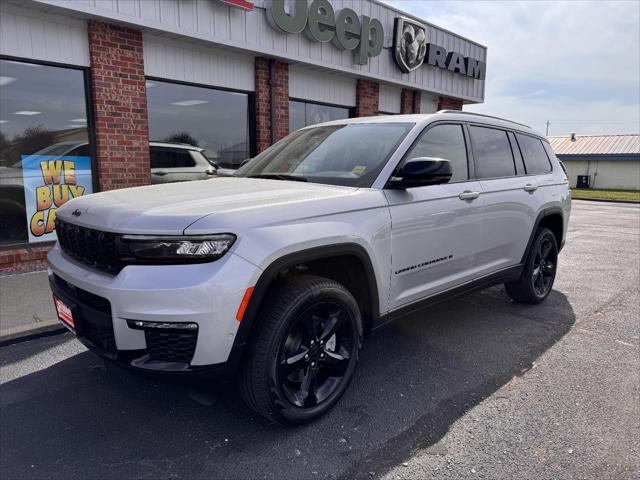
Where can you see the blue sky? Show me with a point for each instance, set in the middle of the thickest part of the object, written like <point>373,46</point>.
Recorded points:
<point>574,63</point>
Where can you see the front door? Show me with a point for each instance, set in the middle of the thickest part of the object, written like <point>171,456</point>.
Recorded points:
<point>434,229</point>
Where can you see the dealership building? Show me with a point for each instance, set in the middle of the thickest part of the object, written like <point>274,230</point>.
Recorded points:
<point>85,85</point>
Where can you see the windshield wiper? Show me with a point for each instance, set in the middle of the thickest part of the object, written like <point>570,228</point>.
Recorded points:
<point>279,176</point>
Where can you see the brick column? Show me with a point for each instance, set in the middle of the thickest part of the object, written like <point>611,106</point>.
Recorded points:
<point>271,82</point>
<point>120,106</point>
<point>409,101</point>
<point>447,103</point>
<point>367,98</point>
<point>417,98</point>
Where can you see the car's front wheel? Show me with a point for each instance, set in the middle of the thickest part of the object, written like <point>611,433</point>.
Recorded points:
<point>305,350</point>
<point>539,273</point>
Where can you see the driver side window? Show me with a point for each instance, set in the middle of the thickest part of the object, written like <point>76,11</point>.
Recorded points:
<point>446,142</point>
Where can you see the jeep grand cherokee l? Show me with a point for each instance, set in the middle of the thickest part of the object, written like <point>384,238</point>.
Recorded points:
<point>276,273</point>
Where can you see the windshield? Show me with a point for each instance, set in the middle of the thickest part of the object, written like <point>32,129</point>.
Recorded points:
<point>351,155</point>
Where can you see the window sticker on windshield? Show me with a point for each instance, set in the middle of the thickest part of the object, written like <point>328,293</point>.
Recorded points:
<point>358,169</point>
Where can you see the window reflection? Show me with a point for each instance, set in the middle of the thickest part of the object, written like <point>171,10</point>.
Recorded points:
<point>535,158</point>
<point>446,142</point>
<point>303,114</point>
<point>214,120</point>
<point>43,123</point>
<point>492,152</point>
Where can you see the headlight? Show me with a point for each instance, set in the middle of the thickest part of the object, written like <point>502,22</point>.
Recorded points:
<point>199,248</point>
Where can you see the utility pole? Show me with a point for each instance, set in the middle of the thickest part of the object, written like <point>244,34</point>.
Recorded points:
<point>548,123</point>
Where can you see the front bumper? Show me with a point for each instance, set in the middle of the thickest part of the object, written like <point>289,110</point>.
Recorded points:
<point>207,295</point>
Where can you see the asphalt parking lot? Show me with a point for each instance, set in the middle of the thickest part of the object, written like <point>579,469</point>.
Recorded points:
<point>476,387</point>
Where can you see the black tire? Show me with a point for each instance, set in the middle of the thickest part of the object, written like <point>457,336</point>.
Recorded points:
<point>304,351</point>
<point>536,281</point>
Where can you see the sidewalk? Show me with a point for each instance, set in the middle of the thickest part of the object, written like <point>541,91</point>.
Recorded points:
<point>26,307</point>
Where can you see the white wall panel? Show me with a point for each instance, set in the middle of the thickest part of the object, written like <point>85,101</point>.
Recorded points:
<point>389,99</point>
<point>36,35</point>
<point>188,61</point>
<point>615,174</point>
<point>428,103</point>
<point>321,86</point>
<point>216,22</point>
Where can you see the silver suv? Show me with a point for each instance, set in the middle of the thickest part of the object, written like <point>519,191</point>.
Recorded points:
<point>277,272</point>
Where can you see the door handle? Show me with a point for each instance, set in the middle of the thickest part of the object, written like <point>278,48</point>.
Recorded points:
<point>469,195</point>
<point>160,173</point>
<point>530,187</point>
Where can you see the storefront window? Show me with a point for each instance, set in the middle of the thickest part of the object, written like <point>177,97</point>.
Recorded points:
<point>214,120</point>
<point>45,153</point>
<point>303,114</point>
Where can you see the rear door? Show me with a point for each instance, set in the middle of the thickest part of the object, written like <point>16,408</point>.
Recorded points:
<point>537,164</point>
<point>512,198</point>
<point>434,228</point>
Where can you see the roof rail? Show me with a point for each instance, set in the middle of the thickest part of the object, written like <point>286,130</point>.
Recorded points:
<point>482,115</point>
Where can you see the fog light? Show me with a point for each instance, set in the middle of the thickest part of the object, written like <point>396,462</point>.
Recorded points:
<point>143,325</point>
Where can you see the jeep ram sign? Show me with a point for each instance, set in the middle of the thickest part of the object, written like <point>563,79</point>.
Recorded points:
<point>410,49</point>
<point>346,30</point>
<point>365,36</point>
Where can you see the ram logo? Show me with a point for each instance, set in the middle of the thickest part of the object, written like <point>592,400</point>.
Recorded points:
<point>410,44</point>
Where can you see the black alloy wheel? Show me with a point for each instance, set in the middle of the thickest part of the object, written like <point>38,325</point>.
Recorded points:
<point>539,272</point>
<point>315,354</point>
<point>544,267</point>
<point>304,351</point>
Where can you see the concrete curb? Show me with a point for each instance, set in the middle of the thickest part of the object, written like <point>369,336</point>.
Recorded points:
<point>29,332</point>
<point>603,200</point>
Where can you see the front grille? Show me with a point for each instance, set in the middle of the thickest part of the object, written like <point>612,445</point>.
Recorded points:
<point>170,346</point>
<point>91,247</point>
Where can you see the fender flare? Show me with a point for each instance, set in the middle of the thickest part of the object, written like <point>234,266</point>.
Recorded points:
<point>269,274</point>
<point>546,212</point>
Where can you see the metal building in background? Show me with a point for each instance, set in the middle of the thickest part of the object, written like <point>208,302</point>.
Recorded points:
<point>600,161</point>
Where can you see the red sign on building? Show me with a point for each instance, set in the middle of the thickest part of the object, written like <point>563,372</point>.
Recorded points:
<point>246,4</point>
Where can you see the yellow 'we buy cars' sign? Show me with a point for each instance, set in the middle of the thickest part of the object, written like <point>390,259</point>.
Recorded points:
<point>49,182</point>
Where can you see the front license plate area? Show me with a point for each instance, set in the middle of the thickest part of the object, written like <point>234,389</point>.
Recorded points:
<point>65,314</point>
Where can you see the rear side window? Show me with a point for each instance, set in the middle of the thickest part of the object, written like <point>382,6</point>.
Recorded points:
<point>492,153</point>
<point>446,142</point>
<point>535,158</point>
<point>170,158</point>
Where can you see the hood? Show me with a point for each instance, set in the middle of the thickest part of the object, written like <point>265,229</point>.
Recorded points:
<point>168,209</point>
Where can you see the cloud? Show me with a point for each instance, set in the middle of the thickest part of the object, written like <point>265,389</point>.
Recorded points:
<point>576,64</point>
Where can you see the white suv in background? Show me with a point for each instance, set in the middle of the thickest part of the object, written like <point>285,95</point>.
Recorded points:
<point>278,271</point>
<point>179,162</point>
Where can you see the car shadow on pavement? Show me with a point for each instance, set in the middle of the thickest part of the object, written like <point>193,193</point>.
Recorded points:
<point>78,419</point>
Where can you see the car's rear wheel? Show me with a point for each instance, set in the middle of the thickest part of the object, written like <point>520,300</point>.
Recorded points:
<point>536,281</point>
<point>305,351</point>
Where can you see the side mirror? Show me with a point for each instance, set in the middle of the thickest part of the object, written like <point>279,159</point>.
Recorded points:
<point>420,172</point>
